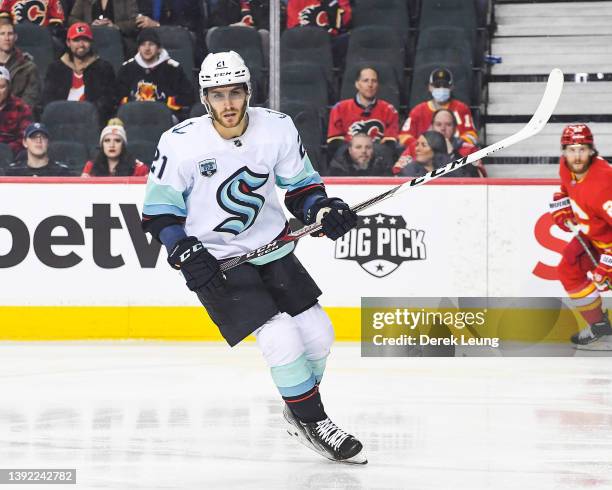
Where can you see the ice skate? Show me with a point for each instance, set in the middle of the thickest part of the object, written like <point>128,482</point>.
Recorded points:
<point>326,438</point>
<point>597,336</point>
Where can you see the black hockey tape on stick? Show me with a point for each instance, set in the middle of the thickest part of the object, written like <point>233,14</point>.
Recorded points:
<point>547,105</point>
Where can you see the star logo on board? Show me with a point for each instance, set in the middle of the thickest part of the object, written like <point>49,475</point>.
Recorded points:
<point>381,243</point>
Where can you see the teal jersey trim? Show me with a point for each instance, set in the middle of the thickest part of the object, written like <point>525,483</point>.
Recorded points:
<point>163,197</point>
<point>307,176</point>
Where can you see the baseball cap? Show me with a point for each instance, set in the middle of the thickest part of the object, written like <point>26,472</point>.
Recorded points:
<point>4,73</point>
<point>148,34</point>
<point>36,128</point>
<point>80,29</point>
<point>441,77</point>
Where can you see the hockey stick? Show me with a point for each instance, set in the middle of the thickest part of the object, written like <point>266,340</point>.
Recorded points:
<point>576,231</point>
<point>534,126</point>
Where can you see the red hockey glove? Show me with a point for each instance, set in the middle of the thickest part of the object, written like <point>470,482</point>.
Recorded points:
<point>561,211</point>
<point>602,275</point>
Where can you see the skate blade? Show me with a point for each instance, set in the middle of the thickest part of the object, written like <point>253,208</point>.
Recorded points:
<point>359,458</point>
<point>599,346</point>
<point>603,343</point>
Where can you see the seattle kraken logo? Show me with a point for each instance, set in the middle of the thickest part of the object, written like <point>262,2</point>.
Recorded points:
<point>236,196</point>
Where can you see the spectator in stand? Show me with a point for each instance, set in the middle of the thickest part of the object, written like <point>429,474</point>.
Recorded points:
<point>419,119</point>
<point>332,15</point>
<point>246,13</point>
<point>120,14</point>
<point>184,13</point>
<point>360,158</point>
<point>431,152</point>
<point>15,114</point>
<point>24,77</point>
<point>46,13</point>
<point>113,158</point>
<point>444,122</point>
<point>37,163</point>
<point>153,76</point>
<point>81,75</point>
<point>364,113</point>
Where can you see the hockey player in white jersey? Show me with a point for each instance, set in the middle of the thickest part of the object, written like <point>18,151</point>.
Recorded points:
<point>211,196</point>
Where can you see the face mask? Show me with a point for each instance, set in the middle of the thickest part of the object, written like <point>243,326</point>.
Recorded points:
<point>441,94</point>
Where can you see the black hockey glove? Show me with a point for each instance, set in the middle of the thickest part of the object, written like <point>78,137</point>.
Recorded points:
<point>335,216</point>
<point>200,268</point>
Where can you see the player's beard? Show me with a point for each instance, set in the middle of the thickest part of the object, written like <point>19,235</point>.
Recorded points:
<point>220,120</point>
<point>579,167</point>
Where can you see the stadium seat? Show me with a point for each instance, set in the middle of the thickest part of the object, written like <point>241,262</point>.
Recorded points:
<point>376,44</point>
<point>308,44</point>
<point>389,88</point>
<point>304,82</point>
<point>444,44</point>
<point>37,41</point>
<point>72,121</point>
<point>145,121</point>
<point>386,13</point>
<point>463,82</point>
<point>71,153</point>
<point>142,150</point>
<point>454,13</point>
<point>108,45</point>
<point>6,156</point>
<point>179,44</point>
<point>247,43</point>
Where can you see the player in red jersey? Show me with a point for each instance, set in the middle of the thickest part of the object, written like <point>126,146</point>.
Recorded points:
<point>585,199</point>
<point>364,113</point>
<point>419,119</point>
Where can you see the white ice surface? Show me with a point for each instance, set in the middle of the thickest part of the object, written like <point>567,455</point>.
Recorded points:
<point>203,416</point>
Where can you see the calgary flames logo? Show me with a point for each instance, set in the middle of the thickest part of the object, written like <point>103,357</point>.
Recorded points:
<point>313,15</point>
<point>147,91</point>
<point>374,128</point>
<point>32,11</point>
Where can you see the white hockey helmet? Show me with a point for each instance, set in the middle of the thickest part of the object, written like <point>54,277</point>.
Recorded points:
<point>225,68</point>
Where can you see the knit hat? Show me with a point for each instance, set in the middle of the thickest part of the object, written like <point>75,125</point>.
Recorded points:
<point>436,141</point>
<point>5,74</point>
<point>114,126</point>
<point>149,34</point>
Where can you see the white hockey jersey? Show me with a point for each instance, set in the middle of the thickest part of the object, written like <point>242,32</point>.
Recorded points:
<point>226,188</point>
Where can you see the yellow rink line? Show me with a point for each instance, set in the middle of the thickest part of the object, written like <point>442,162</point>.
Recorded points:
<point>134,322</point>
<point>192,323</point>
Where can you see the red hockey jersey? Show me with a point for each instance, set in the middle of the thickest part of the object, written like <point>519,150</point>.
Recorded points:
<point>591,199</point>
<point>332,15</point>
<point>419,121</point>
<point>348,117</point>
<point>41,12</point>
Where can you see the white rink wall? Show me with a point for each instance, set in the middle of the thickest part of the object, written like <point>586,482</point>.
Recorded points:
<point>478,238</point>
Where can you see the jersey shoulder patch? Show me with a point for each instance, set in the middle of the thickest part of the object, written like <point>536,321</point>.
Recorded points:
<point>173,63</point>
<point>127,62</point>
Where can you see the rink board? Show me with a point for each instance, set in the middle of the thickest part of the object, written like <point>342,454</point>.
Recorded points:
<point>75,264</point>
